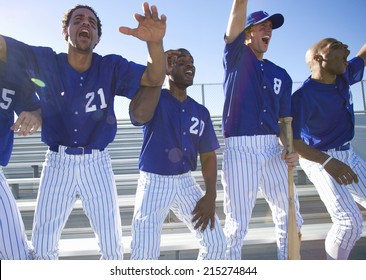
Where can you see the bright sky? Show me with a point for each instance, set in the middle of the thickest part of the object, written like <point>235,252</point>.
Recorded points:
<point>197,25</point>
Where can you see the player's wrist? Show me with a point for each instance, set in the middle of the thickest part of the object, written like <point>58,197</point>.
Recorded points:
<point>326,161</point>
<point>211,194</point>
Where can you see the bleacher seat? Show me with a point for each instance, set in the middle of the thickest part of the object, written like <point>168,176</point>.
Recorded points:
<point>77,239</point>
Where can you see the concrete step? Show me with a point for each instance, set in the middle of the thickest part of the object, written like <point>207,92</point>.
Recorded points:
<point>79,248</point>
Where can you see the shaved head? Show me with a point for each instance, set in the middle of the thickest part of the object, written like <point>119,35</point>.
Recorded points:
<point>317,49</point>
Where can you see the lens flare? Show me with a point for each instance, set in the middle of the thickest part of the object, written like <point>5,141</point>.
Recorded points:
<point>38,82</point>
<point>175,155</point>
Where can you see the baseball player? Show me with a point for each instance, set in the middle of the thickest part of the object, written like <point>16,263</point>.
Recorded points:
<point>15,96</point>
<point>323,126</point>
<point>175,132</point>
<point>257,98</point>
<point>77,93</point>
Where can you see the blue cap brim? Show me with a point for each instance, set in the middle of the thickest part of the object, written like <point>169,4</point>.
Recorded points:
<point>276,19</point>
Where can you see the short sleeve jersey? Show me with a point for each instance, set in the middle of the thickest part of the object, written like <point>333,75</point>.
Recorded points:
<point>16,95</point>
<point>176,134</point>
<point>257,93</point>
<point>323,114</point>
<point>77,108</point>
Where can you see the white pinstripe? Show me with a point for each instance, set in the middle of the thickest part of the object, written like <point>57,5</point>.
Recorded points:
<point>253,163</point>
<point>155,195</point>
<point>14,244</point>
<point>340,201</point>
<point>66,178</point>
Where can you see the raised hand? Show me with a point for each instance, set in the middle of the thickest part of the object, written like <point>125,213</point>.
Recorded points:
<point>171,60</point>
<point>150,27</point>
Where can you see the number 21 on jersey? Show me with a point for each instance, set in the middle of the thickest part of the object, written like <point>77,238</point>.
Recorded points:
<point>197,127</point>
<point>90,107</point>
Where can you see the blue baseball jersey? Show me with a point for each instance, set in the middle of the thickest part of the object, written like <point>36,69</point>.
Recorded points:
<point>77,108</point>
<point>323,115</point>
<point>176,134</point>
<point>257,93</point>
<point>16,95</point>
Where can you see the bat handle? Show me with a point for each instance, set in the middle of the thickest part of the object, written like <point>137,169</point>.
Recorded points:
<point>288,130</point>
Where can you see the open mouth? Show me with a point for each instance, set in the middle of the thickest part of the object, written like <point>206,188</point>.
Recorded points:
<point>345,60</point>
<point>189,73</point>
<point>265,39</point>
<point>84,33</point>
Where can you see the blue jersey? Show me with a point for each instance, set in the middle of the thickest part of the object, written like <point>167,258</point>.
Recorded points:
<point>323,115</point>
<point>176,134</point>
<point>16,95</point>
<point>257,93</point>
<point>77,108</point>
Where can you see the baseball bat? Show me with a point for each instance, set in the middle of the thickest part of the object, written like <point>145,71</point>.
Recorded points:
<point>293,236</point>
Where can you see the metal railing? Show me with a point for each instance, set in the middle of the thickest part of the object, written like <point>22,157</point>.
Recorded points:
<point>211,95</point>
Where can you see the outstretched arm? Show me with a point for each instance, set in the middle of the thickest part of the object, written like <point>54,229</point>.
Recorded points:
<point>204,212</point>
<point>150,29</point>
<point>143,105</point>
<point>237,20</point>
<point>341,172</point>
<point>362,53</point>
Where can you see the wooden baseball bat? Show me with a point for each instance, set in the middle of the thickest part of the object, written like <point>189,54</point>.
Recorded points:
<point>294,237</point>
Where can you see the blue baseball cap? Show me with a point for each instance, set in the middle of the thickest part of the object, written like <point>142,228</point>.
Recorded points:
<point>260,16</point>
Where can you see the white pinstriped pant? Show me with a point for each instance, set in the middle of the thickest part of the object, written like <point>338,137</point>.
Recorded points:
<point>66,178</point>
<point>251,163</point>
<point>340,201</point>
<point>14,244</point>
<point>155,195</point>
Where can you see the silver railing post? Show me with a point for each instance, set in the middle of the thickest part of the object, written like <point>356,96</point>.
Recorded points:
<point>203,94</point>
<point>363,94</point>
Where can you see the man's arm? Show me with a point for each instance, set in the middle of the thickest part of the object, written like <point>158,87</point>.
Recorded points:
<point>237,19</point>
<point>151,29</point>
<point>362,53</point>
<point>340,171</point>
<point>142,106</point>
<point>204,212</point>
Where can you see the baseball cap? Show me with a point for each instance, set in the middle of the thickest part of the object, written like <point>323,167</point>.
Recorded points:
<point>260,16</point>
